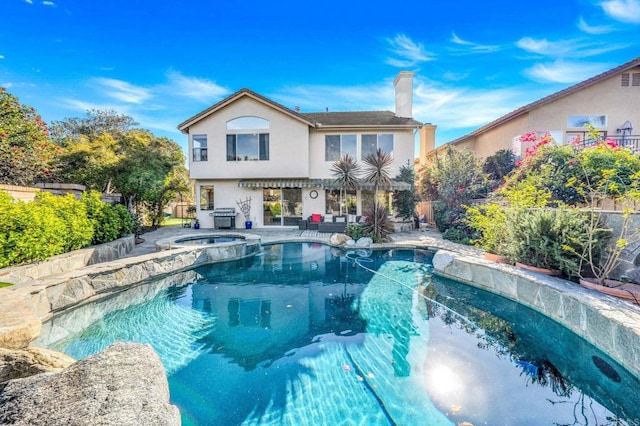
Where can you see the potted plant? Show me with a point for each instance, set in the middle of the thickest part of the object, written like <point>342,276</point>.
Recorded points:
<point>546,240</point>
<point>603,255</point>
<point>610,175</point>
<point>191,214</point>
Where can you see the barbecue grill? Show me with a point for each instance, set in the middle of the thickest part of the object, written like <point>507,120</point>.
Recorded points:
<point>224,218</point>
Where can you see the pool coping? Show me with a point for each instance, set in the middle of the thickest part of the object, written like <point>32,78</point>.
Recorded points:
<point>610,324</point>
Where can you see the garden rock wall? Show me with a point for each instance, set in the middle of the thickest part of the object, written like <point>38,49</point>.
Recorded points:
<point>68,261</point>
<point>125,384</point>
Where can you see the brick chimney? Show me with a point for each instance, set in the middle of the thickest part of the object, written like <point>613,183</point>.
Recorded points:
<point>404,94</point>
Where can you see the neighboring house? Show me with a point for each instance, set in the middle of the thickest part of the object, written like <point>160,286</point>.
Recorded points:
<point>248,146</point>
<point>609,101</point>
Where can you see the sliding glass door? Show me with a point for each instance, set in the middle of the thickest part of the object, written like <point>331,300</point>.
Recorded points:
<point>281,207</point>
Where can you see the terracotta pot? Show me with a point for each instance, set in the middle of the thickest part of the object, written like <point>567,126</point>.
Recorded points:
<point>494,257</point>
<point>626,291</point>
<point>552,272</point>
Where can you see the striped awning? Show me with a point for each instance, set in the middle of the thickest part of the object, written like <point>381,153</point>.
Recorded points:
<point>316,183</point>
<point>393,186</point>
<point>281,183</point>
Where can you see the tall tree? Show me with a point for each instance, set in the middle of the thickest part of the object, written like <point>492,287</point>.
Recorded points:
<point>27,155</point>
<point>103,151</point>
<point>144,174</point>
<point>96,123</point>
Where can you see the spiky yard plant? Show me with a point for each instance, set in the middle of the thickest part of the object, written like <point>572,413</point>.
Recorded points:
<point>377,171</point>
<point>378,226</point>
<point>346,173</point>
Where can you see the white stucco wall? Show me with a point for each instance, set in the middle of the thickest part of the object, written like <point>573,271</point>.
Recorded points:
<point>288,145</point>
<point>403,149</point>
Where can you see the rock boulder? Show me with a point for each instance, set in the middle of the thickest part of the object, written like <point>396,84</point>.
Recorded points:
<point>125,384</point>
<point>16,364</point>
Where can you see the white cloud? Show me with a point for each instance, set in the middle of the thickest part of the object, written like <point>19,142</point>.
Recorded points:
<point>80,105</point>
<point>470,47</point>
<point>565,72</point>
<point>451,107</point>
<point>576,48</point>
<point>48,3</point>
<point>28,1</point>
<point>455,107</point>
<point>317,98</point>
<point>195,88</point>
<point>123,91</point>
<point>594,29</point>
<point>1,56</point>
<point>408,53</point>
<point>623,10</point>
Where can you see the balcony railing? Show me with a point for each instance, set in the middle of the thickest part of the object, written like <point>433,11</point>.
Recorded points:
<point>628,141</point>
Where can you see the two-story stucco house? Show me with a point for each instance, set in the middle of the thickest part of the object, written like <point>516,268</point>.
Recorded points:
<point>250,147</point>
<point>610,102</point>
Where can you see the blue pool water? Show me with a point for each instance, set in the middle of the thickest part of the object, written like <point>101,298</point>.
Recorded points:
<point>309,335</point>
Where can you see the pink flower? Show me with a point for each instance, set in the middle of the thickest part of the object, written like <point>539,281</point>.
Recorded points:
<point>611,143</point>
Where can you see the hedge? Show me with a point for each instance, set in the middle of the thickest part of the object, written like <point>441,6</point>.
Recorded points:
<point>51,225</point>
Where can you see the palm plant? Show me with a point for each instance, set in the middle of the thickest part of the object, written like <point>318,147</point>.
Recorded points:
<point>376,171</point>
<point>346,171</point>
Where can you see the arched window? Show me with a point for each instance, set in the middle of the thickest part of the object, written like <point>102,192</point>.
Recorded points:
<point>248,139</point>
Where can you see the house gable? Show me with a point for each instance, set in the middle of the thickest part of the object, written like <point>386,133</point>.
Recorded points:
<point>240,94</point>
<point>609,94</point>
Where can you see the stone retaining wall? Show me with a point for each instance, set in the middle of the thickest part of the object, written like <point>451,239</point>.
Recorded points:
<point>25,305</point>
<point>610,324</point>
<point>68,261</point>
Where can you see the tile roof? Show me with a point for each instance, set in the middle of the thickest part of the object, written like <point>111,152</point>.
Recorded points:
<point>237,95</point>
<point>316,119</point>
<point>359,118</point>
<point>554,96</point>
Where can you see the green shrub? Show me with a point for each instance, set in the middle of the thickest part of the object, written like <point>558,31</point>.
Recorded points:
<point>51,225</point>
<point>29,231</point>
<point>79,229</point>
<point>126,220</point>
<point>355,231</point>
<point>109,222</point>
<point>547,238</point>
<point>489,221</point>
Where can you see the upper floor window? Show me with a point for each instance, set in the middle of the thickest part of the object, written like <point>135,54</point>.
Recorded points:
<point>597,121</point>
<point>199,147</point>
<point>247,139</point>
<point>337,146</point>
<point>371,144</point>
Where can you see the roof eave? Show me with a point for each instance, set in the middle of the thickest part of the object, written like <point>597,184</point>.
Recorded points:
<point>548,99</point>
<point>184,126</point>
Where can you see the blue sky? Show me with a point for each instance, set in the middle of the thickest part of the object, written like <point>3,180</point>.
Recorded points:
<point>163,61</point>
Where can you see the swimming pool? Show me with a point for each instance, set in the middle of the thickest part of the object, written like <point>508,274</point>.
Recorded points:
<point>307,334</point>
